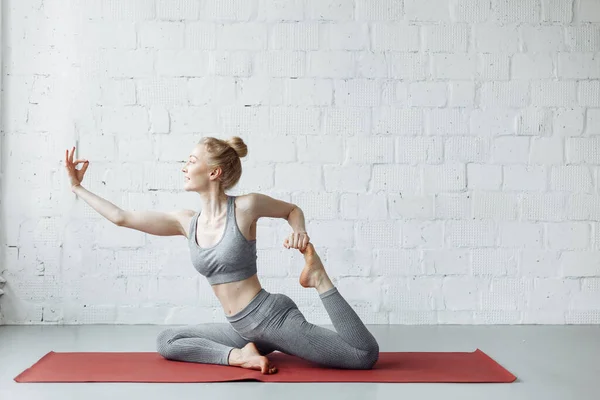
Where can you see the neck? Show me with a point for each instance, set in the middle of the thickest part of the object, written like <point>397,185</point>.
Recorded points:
<point>214,205</point>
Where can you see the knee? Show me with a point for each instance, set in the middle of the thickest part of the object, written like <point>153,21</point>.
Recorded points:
<point>163,342</point>
<point>373,355</point>
<point>370,356</point>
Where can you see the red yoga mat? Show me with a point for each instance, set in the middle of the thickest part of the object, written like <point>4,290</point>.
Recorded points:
<point>475,367</point>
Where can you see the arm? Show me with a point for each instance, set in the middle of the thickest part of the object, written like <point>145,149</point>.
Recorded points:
<point>152,222</point>
<point>157,223</point>
<point>296,220</point>
<point>265,206</point>
<point>104,207</point>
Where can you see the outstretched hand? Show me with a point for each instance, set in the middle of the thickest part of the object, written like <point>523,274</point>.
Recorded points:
<point>297,240</point>
<point>75,175</point>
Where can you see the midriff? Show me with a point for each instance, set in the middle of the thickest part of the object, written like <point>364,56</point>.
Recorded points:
<point>235,296</point>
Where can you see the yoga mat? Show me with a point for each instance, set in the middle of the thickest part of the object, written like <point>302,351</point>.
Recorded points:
<point>152,367</point>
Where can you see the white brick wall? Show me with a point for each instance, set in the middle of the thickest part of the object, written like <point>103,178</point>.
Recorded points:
<point>445,153</point>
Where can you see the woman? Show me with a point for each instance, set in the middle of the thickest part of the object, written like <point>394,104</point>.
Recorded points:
<point>222,243</point>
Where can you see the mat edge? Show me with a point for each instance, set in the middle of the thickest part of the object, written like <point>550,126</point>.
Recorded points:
<point>19,378</point>
<point>497,364</point>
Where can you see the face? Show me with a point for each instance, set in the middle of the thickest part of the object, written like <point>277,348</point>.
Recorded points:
<point>197,174</point>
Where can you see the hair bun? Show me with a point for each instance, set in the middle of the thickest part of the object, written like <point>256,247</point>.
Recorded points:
<point>238,145</point>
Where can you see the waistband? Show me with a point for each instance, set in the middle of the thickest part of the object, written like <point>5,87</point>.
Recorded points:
<point>254,303</point>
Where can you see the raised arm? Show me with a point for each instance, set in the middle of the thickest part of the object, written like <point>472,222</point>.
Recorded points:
<point>153,222</point>
<point>158,223</point>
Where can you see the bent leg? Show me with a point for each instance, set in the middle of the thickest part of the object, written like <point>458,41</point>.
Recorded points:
<point>206,344</point>
<point>298,337</point>
<point>347,323</point>
<point>289,332</point>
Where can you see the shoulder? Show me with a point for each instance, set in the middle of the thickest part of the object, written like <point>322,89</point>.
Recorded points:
<point>184,217</point>
<point>183,213</point>
<point>245,202</point>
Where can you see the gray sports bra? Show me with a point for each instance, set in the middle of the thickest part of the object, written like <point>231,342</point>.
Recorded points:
<point>232,259</point>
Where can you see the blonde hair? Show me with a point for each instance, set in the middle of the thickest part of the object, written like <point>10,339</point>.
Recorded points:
<point>225,154</point>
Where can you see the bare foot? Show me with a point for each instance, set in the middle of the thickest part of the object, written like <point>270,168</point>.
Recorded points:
<point>249,357</point>
<point>313,274</point>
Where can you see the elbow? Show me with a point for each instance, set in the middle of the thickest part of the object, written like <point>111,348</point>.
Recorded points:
<point>119,220</point>
<point>294,208</point>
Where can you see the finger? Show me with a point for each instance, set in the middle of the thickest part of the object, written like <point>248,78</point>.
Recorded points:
<point>68,158</point>
<point>71,155</point>
<point>285,243</point>
<point>296,239</point>
<point>85,166</point>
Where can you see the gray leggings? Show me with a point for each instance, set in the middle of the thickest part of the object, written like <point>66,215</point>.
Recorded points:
<point>273,322</point>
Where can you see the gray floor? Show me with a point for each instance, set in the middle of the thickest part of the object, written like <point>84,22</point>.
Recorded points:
<point>551,362</point>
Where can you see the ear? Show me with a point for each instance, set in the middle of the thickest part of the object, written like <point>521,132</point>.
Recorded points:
<point>216,173</point>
